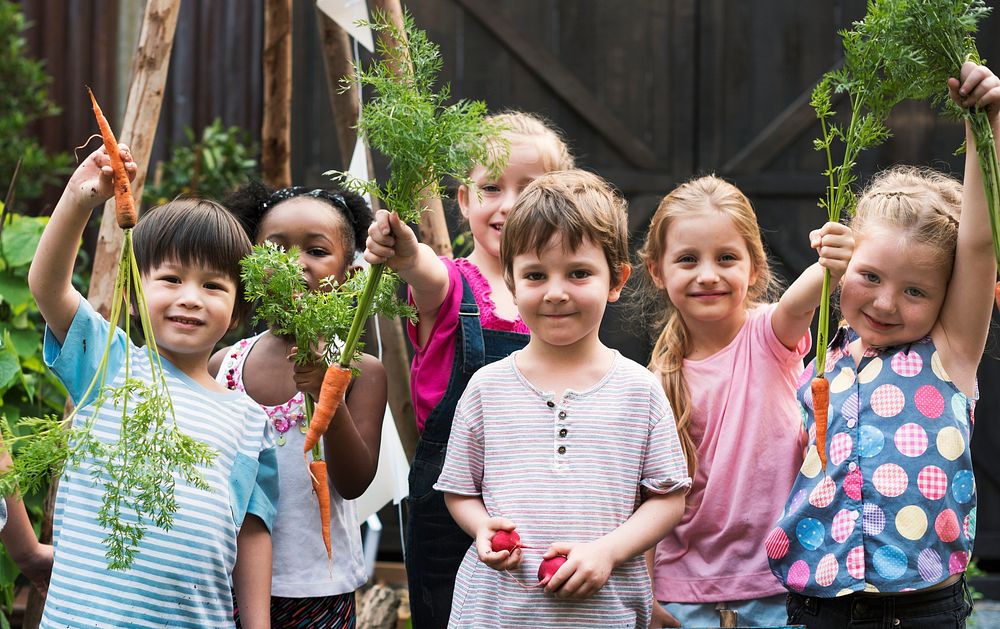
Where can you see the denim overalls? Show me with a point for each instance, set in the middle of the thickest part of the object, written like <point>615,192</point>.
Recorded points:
<point>434,544</point>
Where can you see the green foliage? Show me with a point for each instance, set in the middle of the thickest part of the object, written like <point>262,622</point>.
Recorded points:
<point>23,101</point>
<point>424,139</point>
<point>211,166</point>
<point>939,35</point>
<point>275,280</point>
<point>881,69</point>
<point>408,122</point>
<point>138,470</point>
<point>26,386</point>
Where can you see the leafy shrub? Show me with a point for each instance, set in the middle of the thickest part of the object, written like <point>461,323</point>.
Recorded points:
<point>211,166</point>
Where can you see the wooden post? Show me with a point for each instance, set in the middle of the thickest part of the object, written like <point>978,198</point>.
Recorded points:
<point>338,57</point>
<point>142,114</point>
<point>433,226</point>
<point>275,160</point>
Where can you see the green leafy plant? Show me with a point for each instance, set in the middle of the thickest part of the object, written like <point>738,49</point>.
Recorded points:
<point>25,101</point>
<point>210,166</point>
<point>939,36</point>
<point>424,139</point>
<point>879,72</point>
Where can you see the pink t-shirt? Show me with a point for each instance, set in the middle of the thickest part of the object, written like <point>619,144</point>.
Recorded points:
<point>748,427</point>
<point>432,362</point>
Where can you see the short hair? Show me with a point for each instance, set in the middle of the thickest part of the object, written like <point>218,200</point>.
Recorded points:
<point>576,204</point>
<point>193,232</point>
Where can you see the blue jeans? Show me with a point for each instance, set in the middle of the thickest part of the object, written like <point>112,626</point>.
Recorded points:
<point>944,608</point>
<point>756,612</point>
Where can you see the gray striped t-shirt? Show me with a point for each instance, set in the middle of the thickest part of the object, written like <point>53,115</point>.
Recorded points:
<point>568,470</point>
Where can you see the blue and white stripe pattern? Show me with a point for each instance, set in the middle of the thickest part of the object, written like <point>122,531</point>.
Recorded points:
<point>181,577</point>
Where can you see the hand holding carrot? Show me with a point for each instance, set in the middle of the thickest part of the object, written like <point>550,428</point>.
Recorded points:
<point>308,376</point>
<point>977,86</point>
<point>92,182</point>
<point>834,243</point>
<point>588,567</point>
<point>501,560</point>
<point>391,241</point>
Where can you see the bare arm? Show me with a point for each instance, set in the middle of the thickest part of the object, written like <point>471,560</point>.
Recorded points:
<point>393,242</point>
<point>252,574</point>
<point>18,537</point>
<point>834,243</point>
<point>51,272</point>
<point>968,305</point>
<point>589,565</point>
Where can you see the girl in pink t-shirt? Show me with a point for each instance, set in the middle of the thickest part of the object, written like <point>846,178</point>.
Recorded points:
<point>467,318</point>
<point>729,362</point>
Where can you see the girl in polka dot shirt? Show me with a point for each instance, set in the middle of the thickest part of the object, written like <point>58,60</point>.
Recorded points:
<point>883,536</point>
<point>729,360</point>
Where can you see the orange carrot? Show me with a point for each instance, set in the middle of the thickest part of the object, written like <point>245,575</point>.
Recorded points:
<point>334,385</point>
<point>124,202</point>
<point>317,470</point>
<point>996,294</point>
<point>821,407</point>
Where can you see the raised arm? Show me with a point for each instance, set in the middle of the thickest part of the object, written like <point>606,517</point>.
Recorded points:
<point>393,242</point>
<point>51,272</point>
<point>834,243</point>
<point>968,305</point>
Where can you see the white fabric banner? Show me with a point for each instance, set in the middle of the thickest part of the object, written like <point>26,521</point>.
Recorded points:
<point>346,13</point>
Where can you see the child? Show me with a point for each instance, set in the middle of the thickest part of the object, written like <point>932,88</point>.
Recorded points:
<point>729,361</point>
<point>327,227</point>
<point>566,440</point>
<point>467,319</point>
<point>883,537</point>
<point>32,558</point>
<point>188,254</point>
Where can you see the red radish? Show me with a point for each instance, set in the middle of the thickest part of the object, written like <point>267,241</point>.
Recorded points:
<point>506,540</point>
<point>549,567</point>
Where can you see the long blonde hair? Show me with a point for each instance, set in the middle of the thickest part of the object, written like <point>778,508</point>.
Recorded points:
<point>674,342</point>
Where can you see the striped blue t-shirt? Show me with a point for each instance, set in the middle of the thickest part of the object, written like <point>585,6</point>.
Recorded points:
<point>181,577</point>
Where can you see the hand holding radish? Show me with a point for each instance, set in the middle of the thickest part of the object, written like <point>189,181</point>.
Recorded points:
<point>834,243</point>
<point>588,567</point>
<point>391,241</point>
<point>498,560</point>
<point>92,181</point>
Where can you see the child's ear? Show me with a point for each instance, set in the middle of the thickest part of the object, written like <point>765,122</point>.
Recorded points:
<point>616,291</point>
<point>654,274</point>
<point>234,322</point>
<point>463,199</point>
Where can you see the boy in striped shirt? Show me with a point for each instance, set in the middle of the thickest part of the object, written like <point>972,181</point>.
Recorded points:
<point>566,441</point>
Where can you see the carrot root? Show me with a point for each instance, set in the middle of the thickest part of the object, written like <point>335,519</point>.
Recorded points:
<point>317,471</point>
<point>335,383</point>
<point>124,202</point>
<point>821,408</point>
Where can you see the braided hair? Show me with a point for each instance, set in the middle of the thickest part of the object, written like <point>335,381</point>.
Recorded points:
<point>254,200</point>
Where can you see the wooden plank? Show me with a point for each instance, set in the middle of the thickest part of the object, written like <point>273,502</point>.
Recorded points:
<point>142,113</point>
<point>778,135</point>
<point>561,80</point>
<point>275,159</point>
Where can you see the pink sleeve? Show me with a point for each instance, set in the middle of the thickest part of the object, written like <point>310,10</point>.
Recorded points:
<point>763,332</point>
<point>432,363</point>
